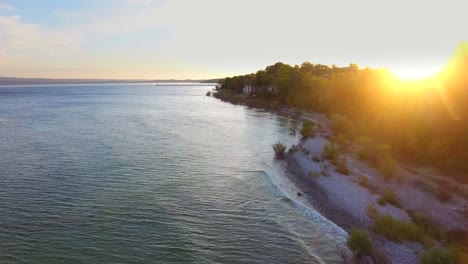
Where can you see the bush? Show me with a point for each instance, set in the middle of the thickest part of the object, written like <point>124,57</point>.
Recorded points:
<point>279,149</point>
<point>397,230</point>
<point>342,140</point>
<point>387,167</point>
<point>293,149</point>
<point>371,151</point>
<point>390,197</point>
<point>360,243</point>
<point>308,129</point>
<point>341,124</point>
<point>316,158</point>
<point>378,155</point>
<point>429,227</point>
<point>208,93</point>
<point>314,173</point>
<point>437,256</point>
<point>330,151</point>
<point>342,166</point>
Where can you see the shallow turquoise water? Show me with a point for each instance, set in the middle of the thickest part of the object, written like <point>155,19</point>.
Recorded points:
<point>147,174</point>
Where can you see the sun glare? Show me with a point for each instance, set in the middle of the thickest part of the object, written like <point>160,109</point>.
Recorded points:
<point>415,73</point>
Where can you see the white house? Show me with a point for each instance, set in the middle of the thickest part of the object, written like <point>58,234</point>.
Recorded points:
<point>248,89</point>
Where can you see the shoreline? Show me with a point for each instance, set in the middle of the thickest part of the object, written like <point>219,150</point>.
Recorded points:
<point>341,199</point>
<point>344,201</point>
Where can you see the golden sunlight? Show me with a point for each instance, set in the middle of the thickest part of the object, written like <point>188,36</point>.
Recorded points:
<point>417,72</point>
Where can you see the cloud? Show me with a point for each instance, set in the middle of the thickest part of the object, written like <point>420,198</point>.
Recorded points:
<point>233,36</point>
<point>5,6</point>
<point>21,39</point>
<point>18,37</point>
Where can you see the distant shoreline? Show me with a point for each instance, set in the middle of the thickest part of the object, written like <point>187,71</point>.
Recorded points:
<point>10,81</point>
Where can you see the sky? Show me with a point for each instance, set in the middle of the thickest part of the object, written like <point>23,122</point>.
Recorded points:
<point>198,39</point>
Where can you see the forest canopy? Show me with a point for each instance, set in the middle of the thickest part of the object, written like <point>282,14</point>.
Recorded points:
<point>423,121</point>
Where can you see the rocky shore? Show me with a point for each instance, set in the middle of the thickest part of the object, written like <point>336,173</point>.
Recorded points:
<point>345,201</point>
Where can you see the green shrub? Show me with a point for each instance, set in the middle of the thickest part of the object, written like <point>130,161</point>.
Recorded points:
<point>429,227</point>
<point>437,256</point>
<point>342,140</point>
<point>390,197</point>
<point>341,124</point>
<point>342,166</point>
<point>208,93</point>
<point>360,243</point>
<point>387,167</point>
<point>279,149</point>
<point>397,230</point>
<point>314,173</point>
<point>316,158</point>
<point>371,151</point>
<point>308,129</point>
<point>293,149</point>
<point>330,151</point>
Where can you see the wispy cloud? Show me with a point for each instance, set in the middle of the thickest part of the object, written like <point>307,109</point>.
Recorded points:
<point>228,36</point>
<point>19,37</point>
<point>5,6</point>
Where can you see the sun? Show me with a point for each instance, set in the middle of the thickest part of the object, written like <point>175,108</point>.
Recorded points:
<point>416,73</point>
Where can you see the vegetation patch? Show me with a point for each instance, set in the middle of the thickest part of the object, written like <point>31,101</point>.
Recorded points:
<point>341,124</point>
<point>429,227</point>
<point>342,166</point>
<point>360,243</point>
<point>330,151</point>
<point>437,256</point>
<point>397,230</point>
<point>389,196</point>
<point>342,140</point>
<point>314,173</point>
<point>308,129</point>
<point>378,155</point>
<point>316,158</point>
<point>280,149</point>
<point>293,149</point>
<point>387,167</point>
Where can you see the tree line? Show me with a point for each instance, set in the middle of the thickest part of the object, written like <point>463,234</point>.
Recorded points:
<point>423,121</point>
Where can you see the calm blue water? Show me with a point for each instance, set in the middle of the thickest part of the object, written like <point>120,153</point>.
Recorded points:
<point>147,174</point>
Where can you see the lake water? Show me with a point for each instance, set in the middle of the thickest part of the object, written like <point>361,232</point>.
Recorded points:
<point>148,174</point>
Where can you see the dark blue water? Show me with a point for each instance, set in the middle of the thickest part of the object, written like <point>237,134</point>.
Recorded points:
<point>147,174</point>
